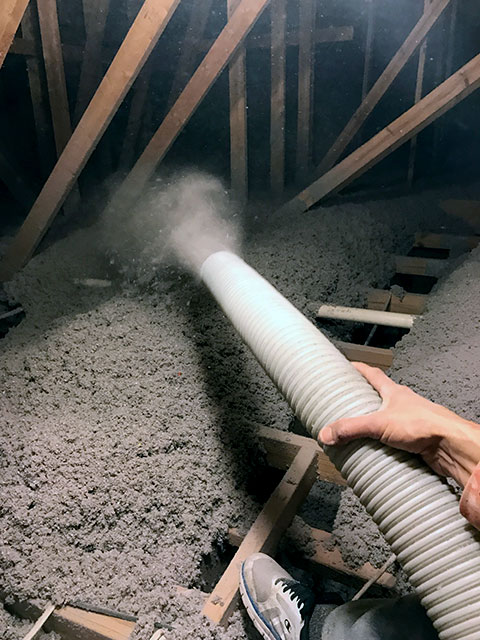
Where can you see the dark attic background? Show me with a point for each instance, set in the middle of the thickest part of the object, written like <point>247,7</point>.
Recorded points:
<point>353,41</point>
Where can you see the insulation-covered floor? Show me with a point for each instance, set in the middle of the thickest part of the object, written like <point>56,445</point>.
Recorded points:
<point>129,411</point>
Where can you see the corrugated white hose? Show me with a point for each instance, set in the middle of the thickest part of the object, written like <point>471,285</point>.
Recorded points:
<point>414,509</point>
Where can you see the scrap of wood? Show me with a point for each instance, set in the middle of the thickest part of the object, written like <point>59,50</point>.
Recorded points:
<point>208,71</point>
<point>265,532</point>
<point>37,93</point>
<point>409,303</point>
<point>189,51</point>
<point>40,622</point>
<point>306,55</point>
<point>380,87</point>
<point>278,21</point>
<point>460,85</point>
<point>422,54</point>
<point>92,60</point>
<point>76,624</point>
<point>54,69</point>
<point>135,49</point>
<point>374,356</point>
<point>11,14</point>
<point>237,77</point>
<point>466,210</point>
<point>415,266</point>
<point>327,555</point>
<point>281,448</point>
<point>446,241</point>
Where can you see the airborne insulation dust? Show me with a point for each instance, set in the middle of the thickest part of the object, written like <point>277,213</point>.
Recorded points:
<point>129,412</point>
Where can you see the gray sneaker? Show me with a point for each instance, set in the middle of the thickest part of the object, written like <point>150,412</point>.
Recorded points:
<point>279,606</point>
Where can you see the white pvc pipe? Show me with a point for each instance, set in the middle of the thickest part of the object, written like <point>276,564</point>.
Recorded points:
<point>416,511</point>
<point>369,316</point>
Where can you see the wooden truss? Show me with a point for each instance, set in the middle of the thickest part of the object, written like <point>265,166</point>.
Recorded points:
<point>457,87</point>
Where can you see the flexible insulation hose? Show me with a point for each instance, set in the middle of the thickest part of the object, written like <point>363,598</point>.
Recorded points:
<point>414,509</point>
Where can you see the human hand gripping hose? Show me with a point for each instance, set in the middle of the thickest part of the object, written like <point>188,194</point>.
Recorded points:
<point>415,510</point>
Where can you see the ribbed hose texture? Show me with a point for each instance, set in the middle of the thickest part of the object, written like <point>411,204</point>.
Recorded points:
<point>414,509</point>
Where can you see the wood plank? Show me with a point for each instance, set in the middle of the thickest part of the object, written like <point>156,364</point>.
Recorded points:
<point>412,265</point>
<point>73,623</point>
<point>306,53</point>
<point>460,85</point>
<point>374,356</point>
<point>54,69</point>
<point>139,42</point>
<point>210,68</point>
<point>368,48</point>
<point>466,210</point>
<point>138,103</point>
<point>91,69</point>
<point>189,51</point>
<point>263,40</point>
<point>380,87</point>
<point>265,532</point>
<point>11,14</point>
<point>278,54</point>
<point>281,448</point>
<point>237,76</point>
<point>418,95</point>
<point>326,555</point>
<point>38,94</point>
<point>453,242</point>
<point>40,622</point>
<point>135,116</point>
<point>409,303</point>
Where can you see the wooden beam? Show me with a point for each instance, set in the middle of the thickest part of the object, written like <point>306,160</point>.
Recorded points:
<point>210,68</point>
<point>135,116</point>
<point>327,555</point>
<point>418,95</point>
<point>368,48</point>
<point>459,244</point>
<point>278,54</point>
<point>380,87</point>
<point>237,77</point>
<point>281,448</point>
<point>73,623</point>
<point>92,59</point>
<point>38,94</point>
<point>40,622</point>
<point>11,14</point>
<point>54,69</point>
<point>466,210</point>
<point>190,50</point>
<point>374,356</point>
<point>139,42</point>
<point>263,40</point>
<point>138,103</point>
<point>409,303</point>
<point>412,265</point>
<point>306,54</point>
<point>265,532</point>
<point>460,85</point>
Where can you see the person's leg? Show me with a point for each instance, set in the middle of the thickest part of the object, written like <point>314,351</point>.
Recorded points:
<point>379,620</point>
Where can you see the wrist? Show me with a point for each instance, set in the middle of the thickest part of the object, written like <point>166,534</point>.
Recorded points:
<point>461,447</point>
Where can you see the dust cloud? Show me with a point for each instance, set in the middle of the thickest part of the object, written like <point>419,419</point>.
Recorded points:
<point>183,219</point>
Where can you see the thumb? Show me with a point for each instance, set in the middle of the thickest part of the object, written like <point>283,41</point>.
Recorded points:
<point>346,429</point>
